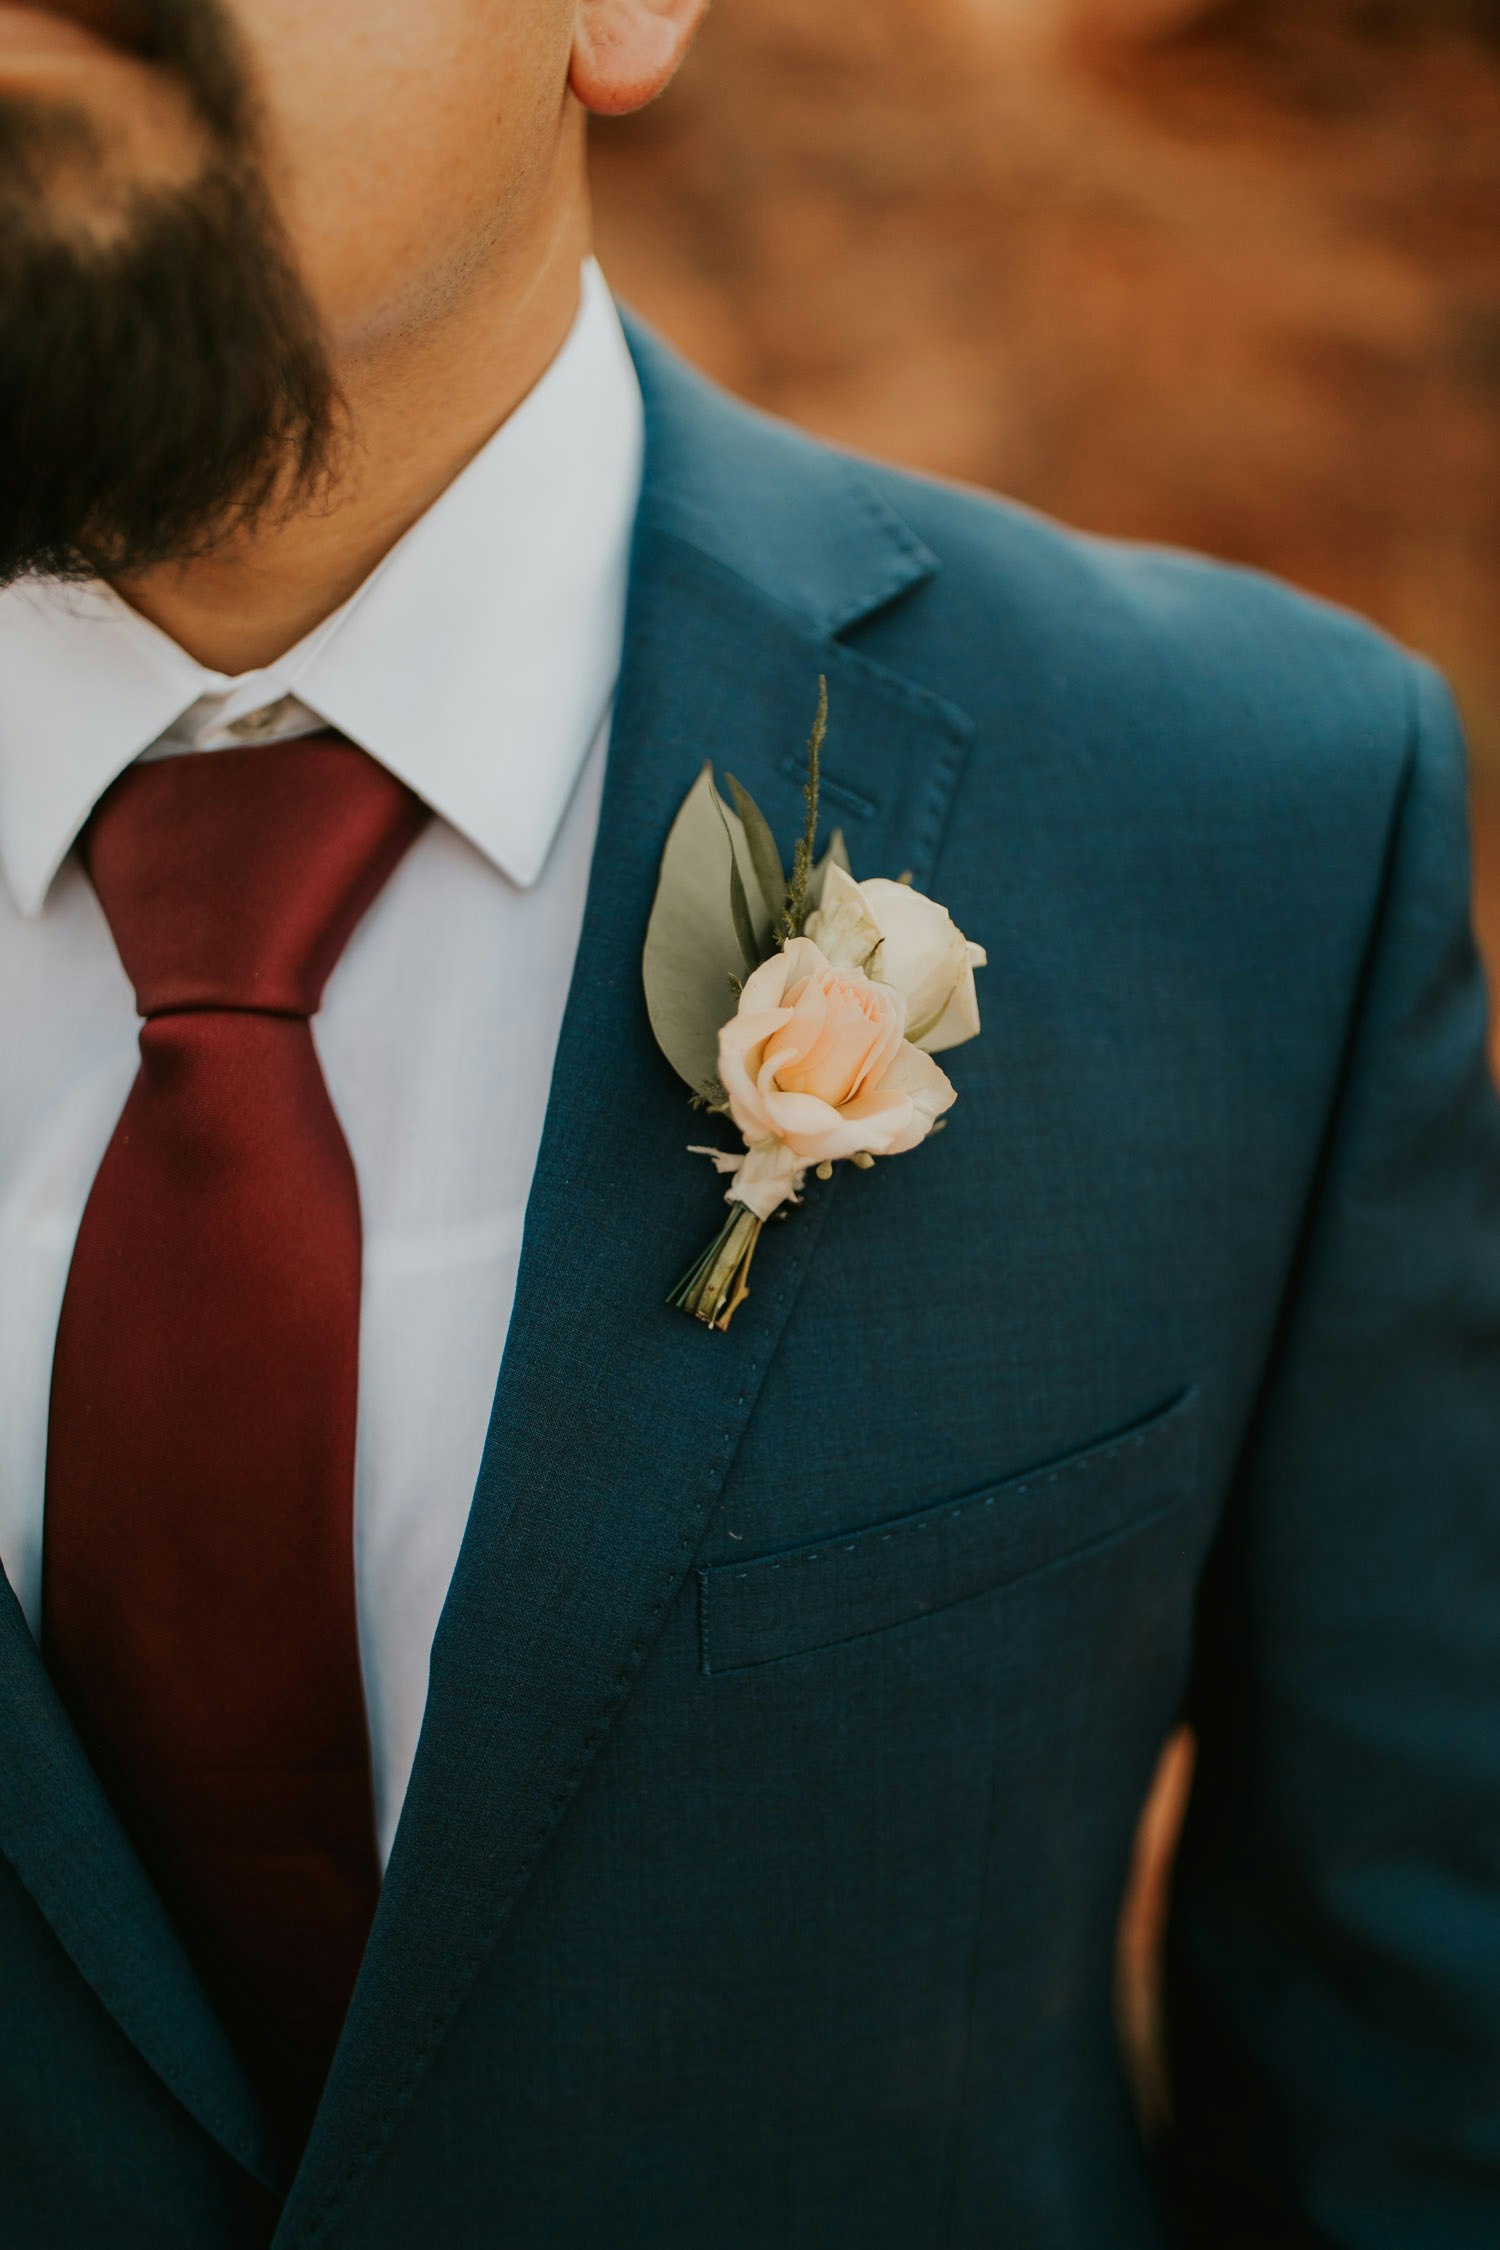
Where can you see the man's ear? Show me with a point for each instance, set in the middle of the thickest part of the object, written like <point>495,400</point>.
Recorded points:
<point>625,51</point>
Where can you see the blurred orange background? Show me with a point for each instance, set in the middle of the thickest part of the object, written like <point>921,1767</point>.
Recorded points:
<point>1224,273</point>
<point>1220,272</point>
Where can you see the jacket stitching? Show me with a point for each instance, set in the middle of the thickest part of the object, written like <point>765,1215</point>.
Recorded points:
<point>876,1537</point>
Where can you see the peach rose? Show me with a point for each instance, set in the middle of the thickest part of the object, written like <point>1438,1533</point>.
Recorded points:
<point>816,1066</point>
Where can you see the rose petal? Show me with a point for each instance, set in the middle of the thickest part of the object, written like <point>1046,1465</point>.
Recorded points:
<point>843,927</point>
<point>960,1019</point>
<point>854,1041</point>
<point>742,1043</point>
<point>913,1095</point>
<point>817,1133</point>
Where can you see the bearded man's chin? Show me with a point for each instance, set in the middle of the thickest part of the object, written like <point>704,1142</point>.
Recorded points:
<point>158,390</point>
<point>163,379</point>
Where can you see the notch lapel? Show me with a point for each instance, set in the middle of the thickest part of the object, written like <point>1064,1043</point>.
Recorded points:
<point>616,1419</point>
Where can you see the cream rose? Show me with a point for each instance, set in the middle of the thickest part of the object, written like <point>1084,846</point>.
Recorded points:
<point>816,1065</point>
<point>897,937</point>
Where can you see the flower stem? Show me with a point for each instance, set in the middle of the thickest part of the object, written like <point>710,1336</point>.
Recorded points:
<point>716,1285</point>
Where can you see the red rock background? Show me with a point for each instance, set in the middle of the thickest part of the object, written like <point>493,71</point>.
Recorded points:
<point>1220,272</point>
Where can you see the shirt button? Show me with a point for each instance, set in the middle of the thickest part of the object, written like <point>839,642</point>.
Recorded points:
<point>257,723</point>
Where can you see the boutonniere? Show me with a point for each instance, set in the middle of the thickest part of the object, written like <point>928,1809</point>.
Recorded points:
<point>802,1005</point>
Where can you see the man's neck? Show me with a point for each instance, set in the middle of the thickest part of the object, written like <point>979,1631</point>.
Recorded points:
<point>417,411</point>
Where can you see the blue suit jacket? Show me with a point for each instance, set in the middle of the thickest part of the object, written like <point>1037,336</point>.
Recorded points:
<point>795,1697</point>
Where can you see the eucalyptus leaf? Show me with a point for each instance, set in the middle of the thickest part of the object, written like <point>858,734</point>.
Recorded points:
<point>765,859</point>
<point>804,855</point>
<point>694,958</point>
<point>739,903</point>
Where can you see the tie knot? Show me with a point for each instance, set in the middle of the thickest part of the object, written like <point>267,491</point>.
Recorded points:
<point>234,878</point>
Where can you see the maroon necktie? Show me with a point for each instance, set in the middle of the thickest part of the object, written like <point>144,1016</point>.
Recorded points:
<point>198,1566</point>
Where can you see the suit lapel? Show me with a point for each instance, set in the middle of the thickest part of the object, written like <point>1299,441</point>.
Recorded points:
<point>616,1419</point>
<point>64,1842</point>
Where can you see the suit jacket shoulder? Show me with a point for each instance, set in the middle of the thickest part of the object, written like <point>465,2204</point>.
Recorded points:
<point>1206,676</point>
<point>1158,683</point>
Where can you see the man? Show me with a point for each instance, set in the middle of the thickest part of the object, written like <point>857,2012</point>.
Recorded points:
<point>681,1795</point>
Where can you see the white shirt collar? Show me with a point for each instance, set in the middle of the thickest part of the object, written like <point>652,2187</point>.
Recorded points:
<point>478,661</point>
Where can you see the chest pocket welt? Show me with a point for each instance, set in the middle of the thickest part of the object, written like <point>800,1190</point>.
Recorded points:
<point>836,1590</point>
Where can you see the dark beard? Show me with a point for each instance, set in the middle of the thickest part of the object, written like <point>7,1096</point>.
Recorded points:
<point>167,385</point>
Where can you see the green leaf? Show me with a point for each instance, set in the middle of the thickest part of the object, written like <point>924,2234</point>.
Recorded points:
<point>694,959</point>
<point>739,904</point>
<point>765,859</point>
<point>805,854</point>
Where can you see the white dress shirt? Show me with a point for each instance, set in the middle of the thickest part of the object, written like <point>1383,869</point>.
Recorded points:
<point>478,662</point>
